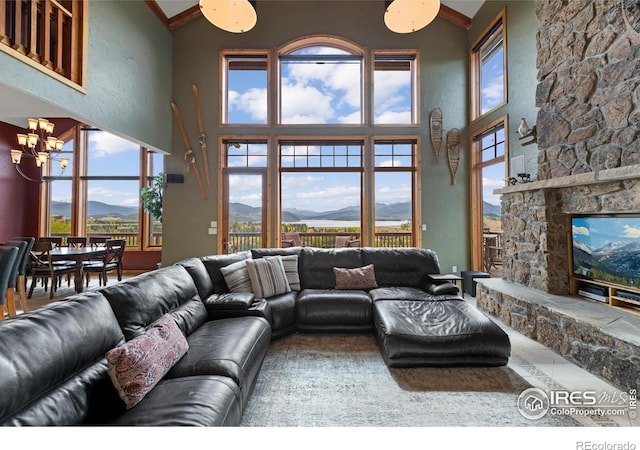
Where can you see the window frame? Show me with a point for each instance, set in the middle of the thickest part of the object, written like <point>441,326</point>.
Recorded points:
<point>498,24</point>
<point>413,56</point>
<point>79,186</point>
<point>225,57</point>
<point>477,165</point>
<point>338,43</point>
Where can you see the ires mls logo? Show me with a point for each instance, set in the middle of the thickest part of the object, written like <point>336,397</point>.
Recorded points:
<point>533,403</point>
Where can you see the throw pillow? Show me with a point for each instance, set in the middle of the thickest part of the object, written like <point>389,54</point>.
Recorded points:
<point>136,366</point>
<point>358,278</point>
<point>237,277</point>
<point>290,264</point>
<point>267,276</point>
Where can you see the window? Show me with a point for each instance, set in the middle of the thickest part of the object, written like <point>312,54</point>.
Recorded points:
<point>245,83</point>
<point>395,93</point>
<point>317,186</point>
<point>321,84</point>
<point>488,69</point>
<point>48,34</point>
<point>99,192</point>
<point>395,169</point>
<point>489,153</point>
<point>321,189</point>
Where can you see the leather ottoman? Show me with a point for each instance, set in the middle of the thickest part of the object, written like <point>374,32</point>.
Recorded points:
<point>441,333</point>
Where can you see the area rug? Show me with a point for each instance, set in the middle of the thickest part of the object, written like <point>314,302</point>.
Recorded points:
<point>342,381</point>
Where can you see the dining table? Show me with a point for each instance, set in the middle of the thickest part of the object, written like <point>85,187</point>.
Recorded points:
<point>78,255</point>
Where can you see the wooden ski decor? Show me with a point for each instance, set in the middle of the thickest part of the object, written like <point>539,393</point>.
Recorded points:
<point>201,136</point>
<point>453,152</point>
<point>188,153</point>
<point>435,124</point>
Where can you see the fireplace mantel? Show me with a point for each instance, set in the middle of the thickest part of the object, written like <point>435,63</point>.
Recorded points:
<point>582,179</point>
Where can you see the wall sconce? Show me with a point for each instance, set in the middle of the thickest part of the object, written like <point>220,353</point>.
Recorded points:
<point>407,16</point>
<point>234,16</point>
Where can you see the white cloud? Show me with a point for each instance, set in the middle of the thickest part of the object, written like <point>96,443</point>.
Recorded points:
<point>580,230</point>
<point>631,232</point>
<point>113,197</point>
<point>305,104</point>
<point>390,163</point>
<point>105,144</point>
<point>393,194</point>
<point>253,102</point>
<point>488,185</point>
<point>402,117</point>
<point>493,93</point>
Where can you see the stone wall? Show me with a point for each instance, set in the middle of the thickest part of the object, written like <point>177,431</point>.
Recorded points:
<point>589,88</point>
<point>536,226</point>
<point>589,122</point>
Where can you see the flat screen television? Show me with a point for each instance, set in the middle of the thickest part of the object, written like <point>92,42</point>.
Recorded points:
<point>607,248</point>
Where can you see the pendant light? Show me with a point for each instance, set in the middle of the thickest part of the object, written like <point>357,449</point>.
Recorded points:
<point>234,16</point>
<point>407,16</point>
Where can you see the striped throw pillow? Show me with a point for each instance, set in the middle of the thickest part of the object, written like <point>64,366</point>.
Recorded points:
<point>290,264</point>
<point>267,276</point>
<point>237,277</point>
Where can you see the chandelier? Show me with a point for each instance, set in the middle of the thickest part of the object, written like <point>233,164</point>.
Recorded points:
<point>40,145</point>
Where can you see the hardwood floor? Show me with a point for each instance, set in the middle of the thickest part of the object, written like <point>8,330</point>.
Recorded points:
<point>40,297</point>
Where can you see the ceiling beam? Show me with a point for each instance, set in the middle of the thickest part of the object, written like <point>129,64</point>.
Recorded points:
<point>453,16</point>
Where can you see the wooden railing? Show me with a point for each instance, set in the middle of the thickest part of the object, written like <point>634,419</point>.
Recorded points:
<point>47,32</point>
<point>132,239</point>
<point>248,240</point>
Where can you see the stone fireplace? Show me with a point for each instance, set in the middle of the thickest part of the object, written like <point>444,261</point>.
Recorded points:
<point>588,126</point>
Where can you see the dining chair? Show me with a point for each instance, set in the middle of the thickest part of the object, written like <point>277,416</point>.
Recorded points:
<point>15,283</point>
<point>98,241</point>
<point>76,241</point>
<point>55,240</point>
<point>43,267</point>
<point>8,256</point>
<point>24,270</point>
<point>111,261</point>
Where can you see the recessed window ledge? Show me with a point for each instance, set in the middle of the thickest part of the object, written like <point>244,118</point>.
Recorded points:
<point>582,179</point>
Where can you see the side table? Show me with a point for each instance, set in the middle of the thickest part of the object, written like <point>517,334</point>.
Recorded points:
<point>442,277</point>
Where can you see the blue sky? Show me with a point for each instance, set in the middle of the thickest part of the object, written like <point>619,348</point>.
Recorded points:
<point>598,231</point>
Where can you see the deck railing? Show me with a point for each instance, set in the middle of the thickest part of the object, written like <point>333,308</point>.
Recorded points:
<point>248,240</point>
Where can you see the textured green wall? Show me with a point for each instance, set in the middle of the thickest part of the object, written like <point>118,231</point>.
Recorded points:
<point>128,79</point>
<point>444,62</point>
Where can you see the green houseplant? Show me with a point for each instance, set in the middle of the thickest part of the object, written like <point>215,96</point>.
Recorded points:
<point>152,197</point>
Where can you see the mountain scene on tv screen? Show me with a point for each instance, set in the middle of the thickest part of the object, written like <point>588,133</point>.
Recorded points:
<point>616,262</point>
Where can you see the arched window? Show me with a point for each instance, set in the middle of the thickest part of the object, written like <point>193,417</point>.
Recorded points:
<point>320,82</point>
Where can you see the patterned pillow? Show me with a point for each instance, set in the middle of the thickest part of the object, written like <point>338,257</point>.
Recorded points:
<point>290,264</point>
<point>136,366</point>
<point>358,278</point>
<point>237,277</point>
<point>267,276</point>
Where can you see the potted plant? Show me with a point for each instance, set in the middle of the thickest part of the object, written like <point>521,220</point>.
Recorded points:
<point>152,197</point>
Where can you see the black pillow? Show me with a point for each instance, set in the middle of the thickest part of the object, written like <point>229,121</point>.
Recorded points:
<point>442,289</point>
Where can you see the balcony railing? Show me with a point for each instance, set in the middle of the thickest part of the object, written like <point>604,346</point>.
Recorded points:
<point>131,238</point>
<point>48,33</point>
<point>248,240</point>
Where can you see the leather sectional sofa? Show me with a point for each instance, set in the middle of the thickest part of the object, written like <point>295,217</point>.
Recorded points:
<point>55,371</point>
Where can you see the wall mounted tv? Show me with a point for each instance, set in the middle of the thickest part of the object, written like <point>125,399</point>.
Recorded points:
<point>607,248</point>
